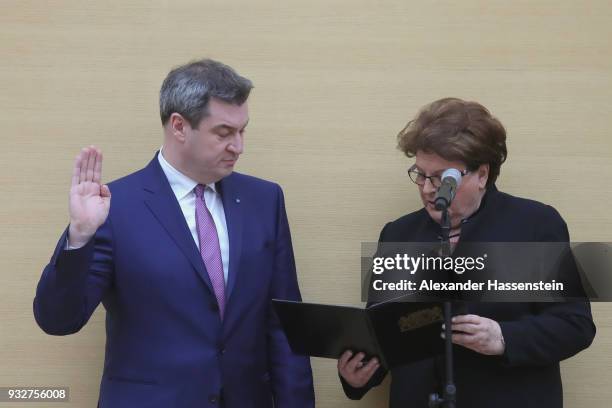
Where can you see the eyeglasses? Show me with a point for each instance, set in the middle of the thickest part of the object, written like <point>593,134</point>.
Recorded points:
<point>419,178</point>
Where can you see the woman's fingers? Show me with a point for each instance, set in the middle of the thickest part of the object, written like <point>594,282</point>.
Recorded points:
<point>344,358</point>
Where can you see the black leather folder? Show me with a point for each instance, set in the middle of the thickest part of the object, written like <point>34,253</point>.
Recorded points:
<point>396,332</point>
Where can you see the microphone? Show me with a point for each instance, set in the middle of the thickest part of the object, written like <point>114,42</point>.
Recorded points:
<point>451,179</point>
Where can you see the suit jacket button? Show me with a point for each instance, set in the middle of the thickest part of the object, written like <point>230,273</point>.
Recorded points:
<point>214,307</point>
<point>213,399</point>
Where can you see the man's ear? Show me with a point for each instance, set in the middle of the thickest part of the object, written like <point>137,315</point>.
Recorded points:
<point>483,175</point>
<point>178,127</point>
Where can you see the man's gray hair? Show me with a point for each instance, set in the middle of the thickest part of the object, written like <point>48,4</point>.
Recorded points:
<point>187,90</point>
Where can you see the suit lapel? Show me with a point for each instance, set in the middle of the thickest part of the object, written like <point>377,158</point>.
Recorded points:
<point>163,204</point>
<point>233,208</point>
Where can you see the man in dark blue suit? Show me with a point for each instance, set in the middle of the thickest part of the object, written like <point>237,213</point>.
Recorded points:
<point>185,262</point>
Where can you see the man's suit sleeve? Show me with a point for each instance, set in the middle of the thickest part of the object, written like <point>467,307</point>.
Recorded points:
<point>291,375</point>
<point>554,331</point>
<point>73,283</point>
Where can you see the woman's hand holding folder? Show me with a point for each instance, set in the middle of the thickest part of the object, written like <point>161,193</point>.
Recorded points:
<point>354,370</point>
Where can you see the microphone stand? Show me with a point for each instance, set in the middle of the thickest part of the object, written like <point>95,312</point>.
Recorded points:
<point>449,393</point>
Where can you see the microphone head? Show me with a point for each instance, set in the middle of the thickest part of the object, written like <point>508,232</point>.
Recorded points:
<point>452,176</point>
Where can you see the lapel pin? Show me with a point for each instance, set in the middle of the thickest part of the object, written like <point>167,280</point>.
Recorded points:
<point>237,201</point>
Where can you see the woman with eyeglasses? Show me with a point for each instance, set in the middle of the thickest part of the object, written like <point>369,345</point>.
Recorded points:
<point>505,354</point>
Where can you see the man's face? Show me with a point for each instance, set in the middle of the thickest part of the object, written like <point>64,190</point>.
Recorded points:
<point>468,196</point>
<point>211,151</point>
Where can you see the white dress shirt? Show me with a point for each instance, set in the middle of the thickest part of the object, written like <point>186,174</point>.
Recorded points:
<point>183,188</point>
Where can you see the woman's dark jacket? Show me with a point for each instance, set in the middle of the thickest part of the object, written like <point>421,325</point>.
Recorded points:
<point>537,335</point>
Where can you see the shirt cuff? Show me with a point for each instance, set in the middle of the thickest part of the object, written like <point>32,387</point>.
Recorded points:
<point>69,247</point>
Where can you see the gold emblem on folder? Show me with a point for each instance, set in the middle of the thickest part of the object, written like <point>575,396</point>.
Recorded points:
<point>416,320</point>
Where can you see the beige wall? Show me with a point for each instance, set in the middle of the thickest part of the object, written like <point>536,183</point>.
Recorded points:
<point>335,81</point>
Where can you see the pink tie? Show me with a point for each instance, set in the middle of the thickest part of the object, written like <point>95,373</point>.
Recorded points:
<point>209,247</point>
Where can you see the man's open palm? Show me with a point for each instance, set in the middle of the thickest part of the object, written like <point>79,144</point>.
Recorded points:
<point>89,200</point>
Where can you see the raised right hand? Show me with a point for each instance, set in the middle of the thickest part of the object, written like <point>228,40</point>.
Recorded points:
<point>354,371</point>
<point>89,199</point>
